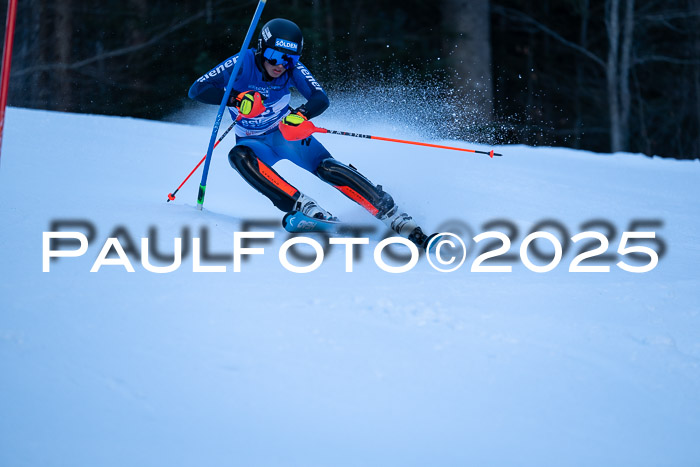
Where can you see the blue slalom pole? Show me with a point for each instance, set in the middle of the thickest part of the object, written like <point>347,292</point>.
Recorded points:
<point>222,107</point>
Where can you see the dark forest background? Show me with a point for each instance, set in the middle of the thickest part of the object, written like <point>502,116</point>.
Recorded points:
<point>603,75</point>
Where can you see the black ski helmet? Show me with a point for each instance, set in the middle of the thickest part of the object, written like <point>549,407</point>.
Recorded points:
<point>281,35</point>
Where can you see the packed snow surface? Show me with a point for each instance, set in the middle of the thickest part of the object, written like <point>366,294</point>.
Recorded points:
<point>267,367</point>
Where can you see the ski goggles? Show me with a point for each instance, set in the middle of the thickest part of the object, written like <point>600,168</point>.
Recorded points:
<point>275,57</point>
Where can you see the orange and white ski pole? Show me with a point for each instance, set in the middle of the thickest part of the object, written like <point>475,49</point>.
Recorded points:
<point>305,129</point>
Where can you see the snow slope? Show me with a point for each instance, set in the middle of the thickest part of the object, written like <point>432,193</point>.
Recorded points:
<point>270,368</point>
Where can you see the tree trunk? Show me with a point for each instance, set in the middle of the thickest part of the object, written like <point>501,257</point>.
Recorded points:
<point>618,71</point>
<point>468,50</point>
<point>209,6</point>
<point>330,32</point>
<point>695,145</point>
<point>136,35</point>
<point>625,67</point>
<point>63,41</point>
<point>43,84</point>
<point>578,105</point>
<point>530,100</point>
<point>612,25</point>
<point>316,16</point>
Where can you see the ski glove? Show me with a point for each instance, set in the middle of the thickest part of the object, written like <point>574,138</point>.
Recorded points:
<point>296,126</point>
<point>249,104</point>
<point>294,119</point>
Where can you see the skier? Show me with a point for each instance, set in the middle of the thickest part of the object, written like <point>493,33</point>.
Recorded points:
<point>259,102</point>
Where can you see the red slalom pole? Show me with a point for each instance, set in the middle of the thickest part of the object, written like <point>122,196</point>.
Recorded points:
<point>171,196</point>
<point>305,129</point>
<point>6,62</point>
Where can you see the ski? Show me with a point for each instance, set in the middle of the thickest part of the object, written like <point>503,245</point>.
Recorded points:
<point>296,222</point>
<point>432,241</point>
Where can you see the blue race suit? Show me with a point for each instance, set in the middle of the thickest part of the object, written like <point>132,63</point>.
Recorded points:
<point>260,144</point>
<point>275,92</point>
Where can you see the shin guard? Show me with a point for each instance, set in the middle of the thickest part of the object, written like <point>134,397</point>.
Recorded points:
<point>263,178</point>
<point>355,186</point>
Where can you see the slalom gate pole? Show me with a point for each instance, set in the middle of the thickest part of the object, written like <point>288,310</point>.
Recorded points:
<point>224,101</point>
<point>171,196</point>
<point>7,61</point>
<point>381,138</point>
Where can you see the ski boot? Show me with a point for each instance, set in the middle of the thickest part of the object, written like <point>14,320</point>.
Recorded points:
<point>308,206</point>
<point>404,225</point>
